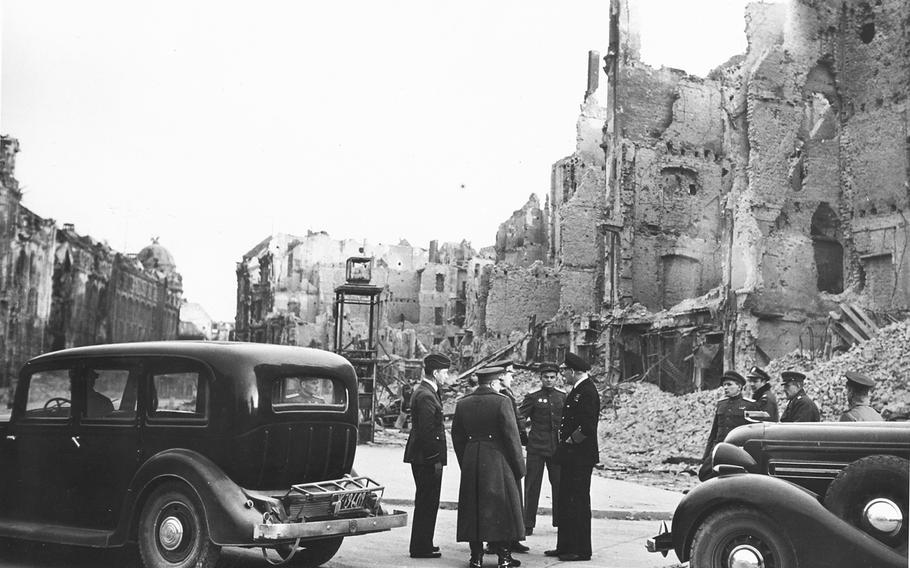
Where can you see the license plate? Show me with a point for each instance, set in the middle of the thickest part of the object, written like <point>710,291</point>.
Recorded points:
<point>350,501</point>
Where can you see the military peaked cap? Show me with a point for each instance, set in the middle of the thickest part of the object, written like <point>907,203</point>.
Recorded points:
<point>758,372</point>
<point>487,374</point>
<point>576,363</point>
<point>435,361</point>
<point>733,376</point>
<point>548,367</point>
<point>859,379</point>
<point>790,376</point>
<point>504,363</point>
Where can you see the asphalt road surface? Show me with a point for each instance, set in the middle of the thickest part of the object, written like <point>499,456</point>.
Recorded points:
<point>617,544</point>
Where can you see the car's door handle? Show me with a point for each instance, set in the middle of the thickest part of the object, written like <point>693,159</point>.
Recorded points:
<point>11,437</point>
<point>76,441</point>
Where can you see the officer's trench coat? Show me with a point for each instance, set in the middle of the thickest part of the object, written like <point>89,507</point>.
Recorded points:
<point>486,441</point>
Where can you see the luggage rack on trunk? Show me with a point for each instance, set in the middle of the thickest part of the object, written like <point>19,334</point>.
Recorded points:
<point>348,496</point>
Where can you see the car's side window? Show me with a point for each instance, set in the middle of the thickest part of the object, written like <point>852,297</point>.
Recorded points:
<point>298,393</point>
<point>49,394</point>
<point>178,394</point>
<point>109,394</point>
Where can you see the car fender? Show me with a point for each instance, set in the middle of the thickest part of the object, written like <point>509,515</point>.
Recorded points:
<point>228,511</point>
<point>819,537</point>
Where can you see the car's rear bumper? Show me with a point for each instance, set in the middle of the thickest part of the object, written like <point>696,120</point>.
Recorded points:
<point>338,527</point>
<point>662,543</point>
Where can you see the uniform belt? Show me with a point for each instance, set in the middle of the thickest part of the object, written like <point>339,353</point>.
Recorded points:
<point>480,438</point>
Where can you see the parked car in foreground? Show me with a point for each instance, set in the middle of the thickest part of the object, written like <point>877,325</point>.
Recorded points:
<point>186,447</point>
<point>799,494</point>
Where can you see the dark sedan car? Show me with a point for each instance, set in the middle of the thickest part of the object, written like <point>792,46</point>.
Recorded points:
<point>800,494</point>
<point>185,447</point>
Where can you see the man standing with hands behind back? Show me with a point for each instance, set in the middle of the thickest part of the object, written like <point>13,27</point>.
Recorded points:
<point>426,452</point>
<point>577,453</point>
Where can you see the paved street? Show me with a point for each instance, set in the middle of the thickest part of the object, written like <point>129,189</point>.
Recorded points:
<point>617,544</point>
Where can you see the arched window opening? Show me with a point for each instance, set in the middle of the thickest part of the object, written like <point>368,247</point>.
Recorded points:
<point>828,251</point>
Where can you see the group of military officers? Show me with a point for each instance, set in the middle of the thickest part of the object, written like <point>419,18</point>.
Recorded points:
<point>489,429</point>
<point>733,408</point>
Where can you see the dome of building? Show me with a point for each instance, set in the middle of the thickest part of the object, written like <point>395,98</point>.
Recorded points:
<point>156,257</point>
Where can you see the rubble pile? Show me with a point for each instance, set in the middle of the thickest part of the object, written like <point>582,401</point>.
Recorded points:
<point>650,433</point>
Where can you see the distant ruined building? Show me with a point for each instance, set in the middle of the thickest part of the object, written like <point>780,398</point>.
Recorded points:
<point>59,289</point>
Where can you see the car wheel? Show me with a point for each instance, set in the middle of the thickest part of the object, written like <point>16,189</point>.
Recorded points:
<point>173,532</point>
<point>871,494</point>
<point>312,553</point>
<point>738,537</point>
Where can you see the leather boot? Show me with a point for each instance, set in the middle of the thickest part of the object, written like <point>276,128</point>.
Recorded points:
<point>505,557</point>
<point>476,555</point>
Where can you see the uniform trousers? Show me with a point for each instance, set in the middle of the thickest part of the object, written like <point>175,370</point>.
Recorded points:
<point>428,485</point>
<point>535,464</point>
<point>573,535</point>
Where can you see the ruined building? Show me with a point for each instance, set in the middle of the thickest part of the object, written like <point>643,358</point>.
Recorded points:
<point>286,292</point>
<point>59,289</point>
<point>742,207</point>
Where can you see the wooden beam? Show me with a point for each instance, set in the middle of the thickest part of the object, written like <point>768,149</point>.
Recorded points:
<point>856,321</point>
<point>862,313</point>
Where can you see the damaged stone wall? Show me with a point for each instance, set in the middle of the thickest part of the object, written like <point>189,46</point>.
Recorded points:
<point>577,201</point>
<point>522,239</point>
<point>823,200</point>
<point>517,294</point>
<point>781,179</point>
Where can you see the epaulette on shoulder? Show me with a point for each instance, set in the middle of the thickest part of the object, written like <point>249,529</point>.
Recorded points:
<point>747,399</point>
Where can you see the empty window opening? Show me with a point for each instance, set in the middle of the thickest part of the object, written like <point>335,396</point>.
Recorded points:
<point>867,32</point>
<point>440,282</point>
<point>828,251</point>
<point>438,316</point>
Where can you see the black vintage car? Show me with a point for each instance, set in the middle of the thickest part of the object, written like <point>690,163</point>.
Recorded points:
<point>186,447</point>
<point>800,494</point>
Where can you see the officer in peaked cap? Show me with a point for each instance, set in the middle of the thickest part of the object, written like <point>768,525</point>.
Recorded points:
<point>760,385</point>
<point>426,452</point>
<point>577,453</point>
<point>859,388</point>
<point>800,407</point>
<point>729,414</point>
<point>486,442</point>
<point>543,410</point>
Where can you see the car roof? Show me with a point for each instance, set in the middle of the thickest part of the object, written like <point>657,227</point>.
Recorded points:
<point>212,351</point>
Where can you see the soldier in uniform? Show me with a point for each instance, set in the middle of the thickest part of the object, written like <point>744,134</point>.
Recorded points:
<point>765,399</point>
<point>859,390</point>
<point>577,453</point>
<point>729,414</point>
<point>309,389</point>
<point>486,442</point>
<point>543,409</point>
<point>801,408</point>
<point>426,452</point>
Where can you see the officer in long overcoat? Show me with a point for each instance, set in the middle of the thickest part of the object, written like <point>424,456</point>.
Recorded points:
<point>577,453</point>
<point>543,409</point>
<point>729,414</point>
<point>486,442</point>
<point>801,408</point>
<point>426,452</point>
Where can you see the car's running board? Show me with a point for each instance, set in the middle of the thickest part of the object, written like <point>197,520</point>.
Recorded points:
<point>58,534</point>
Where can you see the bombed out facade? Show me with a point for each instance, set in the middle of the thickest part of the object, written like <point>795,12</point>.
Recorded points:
<point>60,289</point>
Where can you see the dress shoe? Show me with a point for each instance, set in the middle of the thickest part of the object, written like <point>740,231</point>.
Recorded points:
<point>529,531</point>
<point>572,557</point>
<point>431,554</point>
<point>553,552</point>
<point>435,549</point>
<point>489,549</point>
<point>518,547</point>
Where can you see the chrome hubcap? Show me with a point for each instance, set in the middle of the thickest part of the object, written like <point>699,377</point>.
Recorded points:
<point>170,533</point>
<point>884,516</point>
<point>745,556</point>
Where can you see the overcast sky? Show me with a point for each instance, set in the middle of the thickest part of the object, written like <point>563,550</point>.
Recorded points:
<point>213,124</point>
